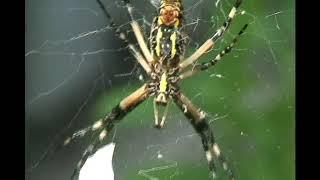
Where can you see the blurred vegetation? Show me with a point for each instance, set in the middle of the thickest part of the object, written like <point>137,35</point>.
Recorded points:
<point>256,92</point>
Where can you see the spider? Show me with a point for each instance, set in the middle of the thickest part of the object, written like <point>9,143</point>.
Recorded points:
<point>164,62</point>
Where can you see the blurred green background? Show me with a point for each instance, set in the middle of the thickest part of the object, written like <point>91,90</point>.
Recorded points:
<point>249,96</point>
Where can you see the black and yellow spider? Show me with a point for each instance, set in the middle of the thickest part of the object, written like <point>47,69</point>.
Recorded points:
<point>164,62</point>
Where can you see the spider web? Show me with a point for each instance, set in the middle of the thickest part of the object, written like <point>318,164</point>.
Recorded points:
<point>77,70</point>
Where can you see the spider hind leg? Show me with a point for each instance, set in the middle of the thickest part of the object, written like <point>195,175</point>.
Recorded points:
<point>108,122</point>
<point>201,125</point>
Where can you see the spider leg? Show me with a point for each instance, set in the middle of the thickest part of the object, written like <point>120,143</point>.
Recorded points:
<point>56,145</point>
<point>135,52</point>
<point>89,151</point>
<point>199,122</point>
<point>106,124</point>
<point>210,42</point>
<point>138,33</point>
<point>206,65</point>
<point>227,23</point>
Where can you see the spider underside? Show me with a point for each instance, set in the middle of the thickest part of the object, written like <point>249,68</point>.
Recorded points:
<point>166,66</point>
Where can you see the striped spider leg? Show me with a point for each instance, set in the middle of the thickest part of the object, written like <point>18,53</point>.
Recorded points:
<point>135,52</point>
<point>210,42</point>
<point>102,126</point>
<point>196,116</point>
<point>205,65</point>
<point>105,125</point>
<point>201,125</point>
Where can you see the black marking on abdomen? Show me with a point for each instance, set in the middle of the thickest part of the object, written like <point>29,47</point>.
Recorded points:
<point>169,52</point>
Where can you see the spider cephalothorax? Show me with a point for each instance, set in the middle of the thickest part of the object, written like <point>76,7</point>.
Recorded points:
<point>164,83</point>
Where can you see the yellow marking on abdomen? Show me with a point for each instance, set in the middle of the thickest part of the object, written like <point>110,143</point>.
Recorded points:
<point>163,83</point>
<point>159,36</point>
<point>173,39</point>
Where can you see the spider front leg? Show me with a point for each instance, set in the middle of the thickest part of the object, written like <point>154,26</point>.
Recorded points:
<point>106,124</point>
<point>138,33</point>
<point>200,124</point>
<point>206,65</point>
<point>135,52</point>
<point>210,42</point>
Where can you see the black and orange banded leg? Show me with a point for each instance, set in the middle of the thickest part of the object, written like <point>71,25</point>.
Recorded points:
<point>225,51</point>
<point>219,32</point>
<point>105,125</point>
<point>204,66</point>
<point>210,42</point>
<point>201,125</point>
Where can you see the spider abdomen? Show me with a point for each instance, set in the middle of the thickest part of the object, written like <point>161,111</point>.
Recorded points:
<point>166,41</point>
<point>166,45</point>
